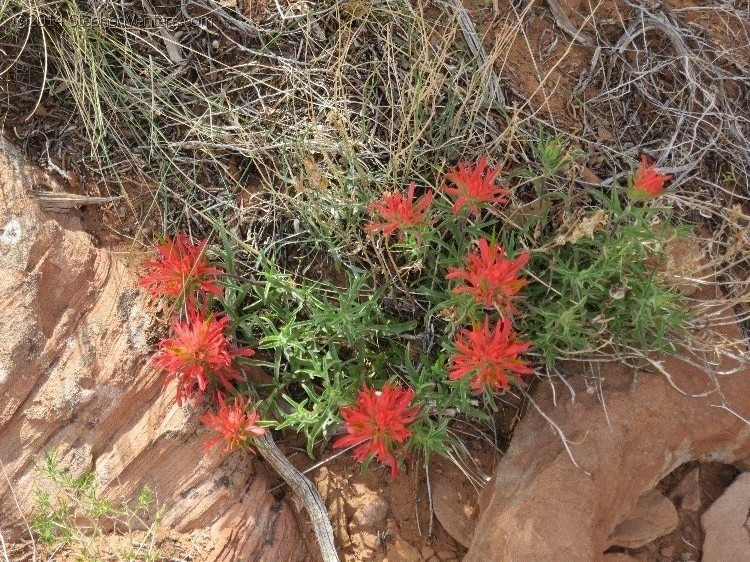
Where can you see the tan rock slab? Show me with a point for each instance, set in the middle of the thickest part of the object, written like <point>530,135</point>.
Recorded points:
<point>653,516</point>
<point>726,524</point>
<point>454,502</point>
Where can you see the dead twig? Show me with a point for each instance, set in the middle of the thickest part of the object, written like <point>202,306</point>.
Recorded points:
<point>57,202</point>
<point>564,23</point>
<point>305,491</point>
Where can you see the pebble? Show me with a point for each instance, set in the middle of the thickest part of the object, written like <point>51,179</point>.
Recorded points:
<point>372,514</point>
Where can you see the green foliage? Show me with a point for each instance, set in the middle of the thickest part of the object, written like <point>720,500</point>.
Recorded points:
<point>389,312</point>
<point>70,513</point>
<point>322,342</point>
<point>552,153</point>
<point>602,292</point>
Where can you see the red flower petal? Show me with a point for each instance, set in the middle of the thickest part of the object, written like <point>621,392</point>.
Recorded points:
<point>378,423</point>
<point>400,213</point>
<point>649,182</point>
<point>197,353</point>
<point>474,185</point>
<point>491,356</point>
<point>181,269</point>
<point>234,424</point>
<point>490,277</point>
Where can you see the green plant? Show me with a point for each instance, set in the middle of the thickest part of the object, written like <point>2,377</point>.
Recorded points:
<point>552,153</point>
<point>594,291</point>
<point>71,513</point>
<point>600,294</point>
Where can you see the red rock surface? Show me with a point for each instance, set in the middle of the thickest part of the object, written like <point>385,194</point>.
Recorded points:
<point>74,377</point>
<point>652,517</point>
<point>542,507</point>
<point>727,525</point>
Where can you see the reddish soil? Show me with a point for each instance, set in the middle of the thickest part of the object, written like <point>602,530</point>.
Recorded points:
<point>401,531</point>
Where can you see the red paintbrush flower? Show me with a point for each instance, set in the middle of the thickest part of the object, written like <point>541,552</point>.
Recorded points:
<point>490,277</point>
<point>198,354</point>
<point>399,212</point>
<point>378,423</point>
<point>491,356</point>
<point>181,269</point>
<point>474,185</point>
<point>648,182</point>
<point>234,424</point>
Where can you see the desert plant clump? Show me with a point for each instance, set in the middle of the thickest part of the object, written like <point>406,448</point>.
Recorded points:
<point>473,306</point>
<point>71,514</point>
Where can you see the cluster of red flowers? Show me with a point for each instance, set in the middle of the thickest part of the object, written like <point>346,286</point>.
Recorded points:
<point>198,353</point>
<point>378,424</point>
<point>473,185</point>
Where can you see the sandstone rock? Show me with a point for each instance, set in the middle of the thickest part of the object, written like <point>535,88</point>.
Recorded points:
<point>454,501</point>
<point>667,552</point>
<point>427,552</point>
<point>372,514</point>
<point>402,551</point>
<point>370,510</point>
<point>542,507</point>
<point>74,376</point>
<point>652,517</point>
<point>687,493</point>
<point>618,557</point>
<point>726,524</point>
